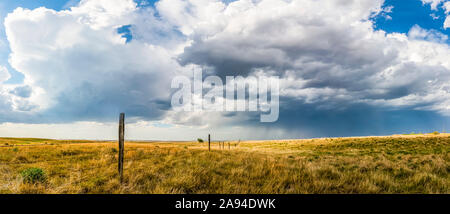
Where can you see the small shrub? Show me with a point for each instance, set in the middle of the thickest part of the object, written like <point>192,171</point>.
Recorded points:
<point>15,149</point>
<point>34,175</point>
<point>200,140</point>
<point>113,150</point>
<point>435,133</point>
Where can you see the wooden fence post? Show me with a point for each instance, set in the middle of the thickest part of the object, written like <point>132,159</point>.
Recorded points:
<point>209,142</point>
<point>121,144</point>
<point>229,145</point>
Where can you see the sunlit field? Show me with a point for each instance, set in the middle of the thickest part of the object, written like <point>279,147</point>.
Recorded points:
<point>393,164</point>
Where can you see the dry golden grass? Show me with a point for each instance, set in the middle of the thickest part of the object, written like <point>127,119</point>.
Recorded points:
<point>395,164</point>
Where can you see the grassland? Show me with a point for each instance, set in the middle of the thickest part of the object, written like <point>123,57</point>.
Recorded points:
<point>393,164</point>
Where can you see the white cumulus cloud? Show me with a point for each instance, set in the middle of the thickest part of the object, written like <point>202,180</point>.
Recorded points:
<point>79,66</point>
<point>433,3</point>
<point>447,11</point>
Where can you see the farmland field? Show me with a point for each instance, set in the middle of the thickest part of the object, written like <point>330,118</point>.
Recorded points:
<point>391,164</point>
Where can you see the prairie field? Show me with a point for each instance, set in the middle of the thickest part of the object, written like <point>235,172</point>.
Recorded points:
<point>391,164</point>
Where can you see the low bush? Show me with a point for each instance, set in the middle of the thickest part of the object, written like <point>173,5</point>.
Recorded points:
<point>34,175</point>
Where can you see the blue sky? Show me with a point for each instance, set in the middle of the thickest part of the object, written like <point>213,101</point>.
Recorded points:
<point>406,14</point>
<point>336,71</point>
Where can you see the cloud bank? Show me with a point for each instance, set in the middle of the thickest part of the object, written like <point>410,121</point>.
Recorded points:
<point>337,72</point>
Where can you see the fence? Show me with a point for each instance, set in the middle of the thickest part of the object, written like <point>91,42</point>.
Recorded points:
<point>121,151</point>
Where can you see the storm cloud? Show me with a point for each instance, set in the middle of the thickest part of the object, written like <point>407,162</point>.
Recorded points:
<point>339,75</point>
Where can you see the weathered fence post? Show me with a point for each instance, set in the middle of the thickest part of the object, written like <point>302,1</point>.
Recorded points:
<point>121,144</point>
<point>209,142</point>
<point>229,145</point>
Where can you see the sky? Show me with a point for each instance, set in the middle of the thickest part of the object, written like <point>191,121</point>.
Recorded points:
<point>346,68</point>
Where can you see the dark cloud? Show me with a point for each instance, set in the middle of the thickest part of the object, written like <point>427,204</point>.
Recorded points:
<point>305,121</point>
